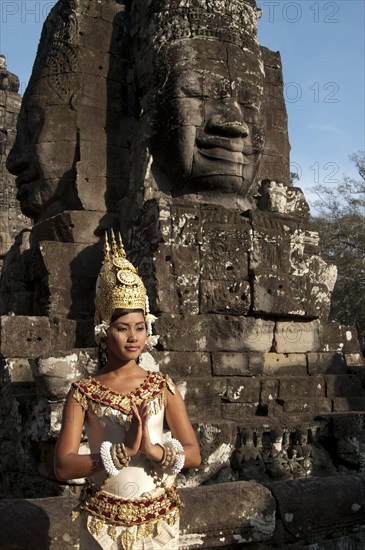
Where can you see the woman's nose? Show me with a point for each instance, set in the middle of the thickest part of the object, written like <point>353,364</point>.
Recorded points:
<point>229,121</point>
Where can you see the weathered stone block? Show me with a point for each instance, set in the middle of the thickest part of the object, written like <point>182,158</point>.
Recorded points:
<point>225,297</point>
<point>242,390</point>
<point>183,364</point>
<point>177,277</point>
<point>256,362</point>
<point>299,387</point>
<point>71,283</point>
<point>230,364</point>
<point>19,370</point>
<point>46,421</point>
<point>22,336</point>
<point>306,522</point>
<point>215,216</point>
<point>294,337</point>
<point>285,364</point>
<point>214,333</point>
<point>183,333</point>
<point>326,363</point>
<point>224,253</point>
<point>339,338</point>
<point>202,398</point>
<point>39,523</point>
<point>54,375</point>
<point>216,442</point>
<point>343,386</point>
<point>74,226</point>
<point>312,406</point>
<point>185,224</point>
<point>238,412</point>
<point>354,359</point>
<point>269,391</point>
<point>232,505</point>
<point>240,334</point>
<point>290,278</point>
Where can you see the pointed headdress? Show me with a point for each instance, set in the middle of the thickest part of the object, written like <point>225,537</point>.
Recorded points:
<point>119,287</point>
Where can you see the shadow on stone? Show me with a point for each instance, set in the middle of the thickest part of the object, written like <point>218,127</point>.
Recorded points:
<point>24,526</point>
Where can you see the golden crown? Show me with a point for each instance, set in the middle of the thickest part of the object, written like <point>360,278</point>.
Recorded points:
<point>119,285</point>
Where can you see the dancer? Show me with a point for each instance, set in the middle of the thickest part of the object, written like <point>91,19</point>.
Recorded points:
<point>129,501</point>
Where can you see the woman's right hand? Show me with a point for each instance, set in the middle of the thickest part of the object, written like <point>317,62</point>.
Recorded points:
<point>134,434</point>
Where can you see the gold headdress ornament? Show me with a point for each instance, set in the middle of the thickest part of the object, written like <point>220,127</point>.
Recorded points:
<point>119,287</point>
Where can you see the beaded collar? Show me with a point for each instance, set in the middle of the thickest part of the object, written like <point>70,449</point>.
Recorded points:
<point>152,388</point>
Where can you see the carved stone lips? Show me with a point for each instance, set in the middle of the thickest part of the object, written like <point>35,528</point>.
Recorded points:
<point>25,177</point>
<point>221,148</point>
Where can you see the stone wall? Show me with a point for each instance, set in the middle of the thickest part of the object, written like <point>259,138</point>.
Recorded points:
<point>275,392</point>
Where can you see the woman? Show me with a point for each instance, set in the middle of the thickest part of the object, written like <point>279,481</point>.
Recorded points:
<point>130,500</point>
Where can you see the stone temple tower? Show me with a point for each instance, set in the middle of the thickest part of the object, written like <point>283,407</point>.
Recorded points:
<point>172,128</point>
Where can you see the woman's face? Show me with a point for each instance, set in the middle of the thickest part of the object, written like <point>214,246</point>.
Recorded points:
<point>126,337</point>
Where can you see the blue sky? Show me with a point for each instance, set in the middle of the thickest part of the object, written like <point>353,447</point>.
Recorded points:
<point>322,49</point>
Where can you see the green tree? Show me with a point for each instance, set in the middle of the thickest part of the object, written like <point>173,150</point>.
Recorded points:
<point>339,217</point>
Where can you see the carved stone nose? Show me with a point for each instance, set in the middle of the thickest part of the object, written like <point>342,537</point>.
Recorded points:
<point>16,161</point>
<point>229,122</point>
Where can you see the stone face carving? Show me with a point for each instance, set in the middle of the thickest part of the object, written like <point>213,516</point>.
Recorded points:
<point>204,105</point>
<point>70,148</point>
<point>11,219</point>
<point>212,141</point>
<point>189,157</point>
<point>45,152</point>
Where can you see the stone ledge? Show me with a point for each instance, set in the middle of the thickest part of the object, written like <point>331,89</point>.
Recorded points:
<point>315,508</point>
<point>214,515</point>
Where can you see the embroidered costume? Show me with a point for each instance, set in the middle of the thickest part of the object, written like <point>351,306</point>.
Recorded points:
<point>131,504</point>
<point>139,507</point>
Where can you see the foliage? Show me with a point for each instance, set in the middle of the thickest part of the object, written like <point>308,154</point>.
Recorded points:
<point>340,221</point>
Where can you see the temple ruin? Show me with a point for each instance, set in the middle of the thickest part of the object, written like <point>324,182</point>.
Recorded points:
<point>166,120</point>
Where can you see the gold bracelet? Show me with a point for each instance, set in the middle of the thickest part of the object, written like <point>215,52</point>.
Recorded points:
<point>122,455</point>
<point>117,463</point>
<point>163,455</point>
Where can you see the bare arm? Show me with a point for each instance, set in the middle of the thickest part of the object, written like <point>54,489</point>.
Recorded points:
<point>69,464</point>
<point>181,428</point>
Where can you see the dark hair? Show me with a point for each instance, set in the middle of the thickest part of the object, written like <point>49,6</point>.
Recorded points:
<point>119,312</point>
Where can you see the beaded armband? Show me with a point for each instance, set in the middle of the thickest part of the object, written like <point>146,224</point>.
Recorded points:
<point>173,457</point>
<point>114,457</point>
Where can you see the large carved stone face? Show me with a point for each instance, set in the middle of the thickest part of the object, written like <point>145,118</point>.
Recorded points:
<point>45,152</point>
<point>208,134</point>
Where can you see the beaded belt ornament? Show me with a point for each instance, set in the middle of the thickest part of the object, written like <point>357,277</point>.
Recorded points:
<point>131,512</point>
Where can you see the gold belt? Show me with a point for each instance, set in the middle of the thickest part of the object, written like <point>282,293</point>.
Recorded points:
<point>126,512</point>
